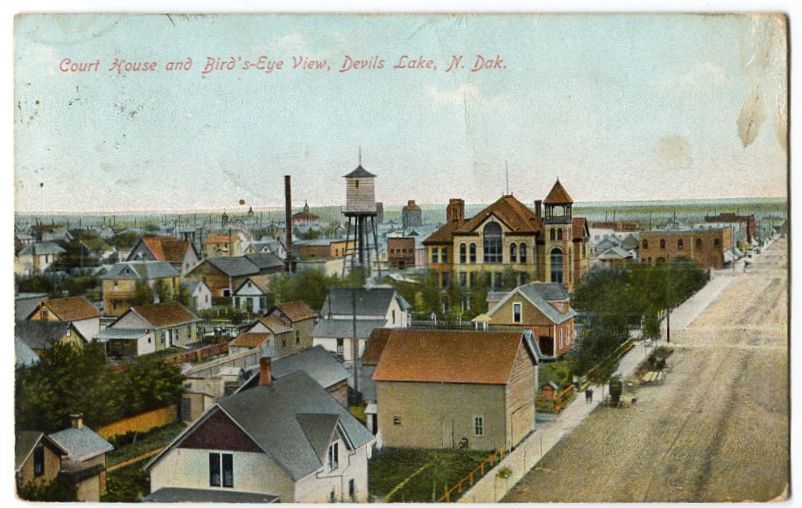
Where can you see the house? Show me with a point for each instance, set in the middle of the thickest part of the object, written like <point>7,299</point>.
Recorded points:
<point>37,257</point>
<point>298,316</point>
<point>179,253</point>
<point>39,335</point>
<point>507,235</point>
<point>708,247</point>
<point>284,339</point>
<point>37,458</point>
<point>120,283</point>
<point>223,245</point>
<point>367,386</point>
<point>72,309</point>
<point>85,463</point>
<point>615,256</point>
<point>325,248</point>
<point>365,309</point>
<point>267,246</point>
<point>222,275</point>
<point>251,295</point>
<point>286,438</point>
<point>24,303</point>
<point>253,340</point>
<point>318,363</point>
<point>540,307</point>
<point>199,292</point>
<point>148,328</point>
<point>448,389</point>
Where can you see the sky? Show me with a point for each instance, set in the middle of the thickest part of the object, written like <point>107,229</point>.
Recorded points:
<point>619,107</point>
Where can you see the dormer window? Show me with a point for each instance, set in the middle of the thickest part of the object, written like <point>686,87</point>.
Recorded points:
<point>334,456</point>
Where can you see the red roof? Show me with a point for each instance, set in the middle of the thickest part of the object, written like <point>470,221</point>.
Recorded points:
<point>165,314</point>
<point>449,356</point>
<point>579,228</point>
<point>375,346</point>
<point>72,308</point>
<point>514,214</point>
<point>165,248</point>
<point>250,339</point>
<point>558,195</point>
<point>296,310</point>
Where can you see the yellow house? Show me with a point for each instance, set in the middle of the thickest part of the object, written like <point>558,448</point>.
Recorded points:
<point>119,283</point>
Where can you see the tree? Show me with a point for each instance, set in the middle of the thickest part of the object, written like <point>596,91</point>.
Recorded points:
<point>184,297</point>
<point>163,291</point>
<point>142,294</point>
<point>61,489</point>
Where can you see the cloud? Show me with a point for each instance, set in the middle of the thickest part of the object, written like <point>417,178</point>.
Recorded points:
<point>455,96</point>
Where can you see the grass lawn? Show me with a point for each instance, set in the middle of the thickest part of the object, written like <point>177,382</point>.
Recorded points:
<point>144,442</point>
<point>389,467</point>
<point>126,485</point>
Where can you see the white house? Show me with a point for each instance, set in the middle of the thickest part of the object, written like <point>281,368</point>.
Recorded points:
<point>284,440</point>
<point>251,294</point>
<point>199,292</point>
<point>37,257</point>
<point>373,307</point>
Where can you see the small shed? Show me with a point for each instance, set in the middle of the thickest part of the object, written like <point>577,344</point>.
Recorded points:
<point>549,391</point>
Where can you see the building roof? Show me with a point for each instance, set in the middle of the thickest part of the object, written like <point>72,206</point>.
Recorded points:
<point>373,301</point>
<point>249,339</point>
<point>376,342</point>
<point>24,443</point>
<point>234,266</point>
<point>274,324</point>
<point>192,284</point>
<point>265,260</point>
<point>451,356</point>
<point>359,172</point>
<point>344,328</point>
<point>161,315</point>
<point>81,444</point>
<point>540,294</point>
<point>317,362</point>
<point>41,334</point>
<point>182,495</point>
<point>39,249</point>
<point>614,253</point>
<point>24,356</point>
<point>71,308</point>
<point>25,303</point>
<point>579,228</point>
<point>220,239</point>
<point>261,282</point>
<point>165,248</point>
<point>141,270</point>
<point>113,333</point>
<point>296,310</point>
<point>558,195</point>
<point>276,418</point>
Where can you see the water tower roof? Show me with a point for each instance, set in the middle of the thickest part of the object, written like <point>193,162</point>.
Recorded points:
<point>360,172</point>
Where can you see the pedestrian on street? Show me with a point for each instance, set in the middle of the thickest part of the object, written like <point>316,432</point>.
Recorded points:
<point>588,396</point>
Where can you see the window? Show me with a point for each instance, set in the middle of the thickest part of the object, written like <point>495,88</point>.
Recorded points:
<point>698,243</point>
<point>513,253</point>
<point>462,253</point>
<point>559,233</point>
<point>478,426</point>
<point>396,420</point>
<point>662,244</point>
<point>161,337</point>
<point>357,183</point>
<point>148,340</point>
<point>284,342</point>
<point>393,314</point>
<point>334,455</point>
<point>551,234</point>
<point>556,259</point>
<point>522,253</point>
<point>680,244</point>
<point>39,460</point>
<point>716,242</point>
<point>434,255</point>
<point>332,496</point>
<point>444,255</point>
<point>351,489</point>
<point>228,470</point>
<point>69,332</point>
<point>297,337</point>
<point>444,280</point>
<point>645,244</point>
<point>492,243</point>
<point>236,301</point>
<point>214,470</point>
<point>516,312</point>
<point>340,346</point>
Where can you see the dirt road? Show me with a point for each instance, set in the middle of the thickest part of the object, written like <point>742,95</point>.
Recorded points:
<point>715,430</point>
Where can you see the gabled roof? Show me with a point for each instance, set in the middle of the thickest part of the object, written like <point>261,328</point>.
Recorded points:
<point>39,249</point>
<point>24,443</point>
<point>165,248</point>
<point>451,356</point>
<point>235,266</point>
<point>249,339</point>
<point>344,328</point>
<point>141,270</point>
<point>317,362</point>
<point>261,282</point>
<point>161,315</point>
<point>507,209</point>
<point>319,429</point>
<point>579,228</point>
<point>71,308</point>
<point>269,415</point>
<point>614,253</point>
<point>274,324</point>
<point>41,334</point>
<point>81,444</point>
<point>376,342</point>
<point>265,260</point>
<point>192,284</point>
<point>540,294</point>
<point>296,310</point>
<point>373,301</point>
<point>359,172</point>
<point>558,195</point>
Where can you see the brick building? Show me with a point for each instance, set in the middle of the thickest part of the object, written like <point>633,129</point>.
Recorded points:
<point>706,246</point>
<point>401,251</point>
<point>747,225</point>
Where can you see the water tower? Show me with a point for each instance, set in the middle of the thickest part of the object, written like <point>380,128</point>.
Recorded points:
<point>360,209</point>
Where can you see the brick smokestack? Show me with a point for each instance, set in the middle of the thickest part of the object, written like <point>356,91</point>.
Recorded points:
<point>288,220</point>
<point>77,421</point>
<point>538,206</point>
<point>456,210</point>
<point>265,371</point>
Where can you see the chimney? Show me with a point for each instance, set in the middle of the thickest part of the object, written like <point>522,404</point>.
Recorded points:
<point>288,220</point>
<point>77,421</point>
<point>538,204</point>
<point>265,373</point>
<point>456,210</point>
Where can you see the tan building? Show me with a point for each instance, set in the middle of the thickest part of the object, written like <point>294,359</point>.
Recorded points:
<point>85,463</point>
<point>281,340</point>
<point>298,316</point>
<point>708,247</point>
<point>38,458</point>
<point>223,245</point>
<point>450,389</point>
<point>180,253</point>
<point>507,235</point>
<point>76,310</point>
<point>120,282</point>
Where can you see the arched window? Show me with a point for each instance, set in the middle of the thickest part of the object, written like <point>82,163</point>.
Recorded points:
<point>522,253</point>
<point>492,243</point>
<point>559,233</point>
<point>472,257</point>
<point>462,253</point>
<point>513,253</point>
<point>551,234</point>
<point>680,244</point>
<point>556,259</point>
<point>646,244</point>
<point>662,244</point>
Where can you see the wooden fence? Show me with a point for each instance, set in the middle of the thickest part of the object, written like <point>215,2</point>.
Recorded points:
<point>468,480</point>
<point>197,355</point>
<point>141,422</point>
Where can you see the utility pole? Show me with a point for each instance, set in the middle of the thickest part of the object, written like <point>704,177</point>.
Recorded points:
<point>354,342</point>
